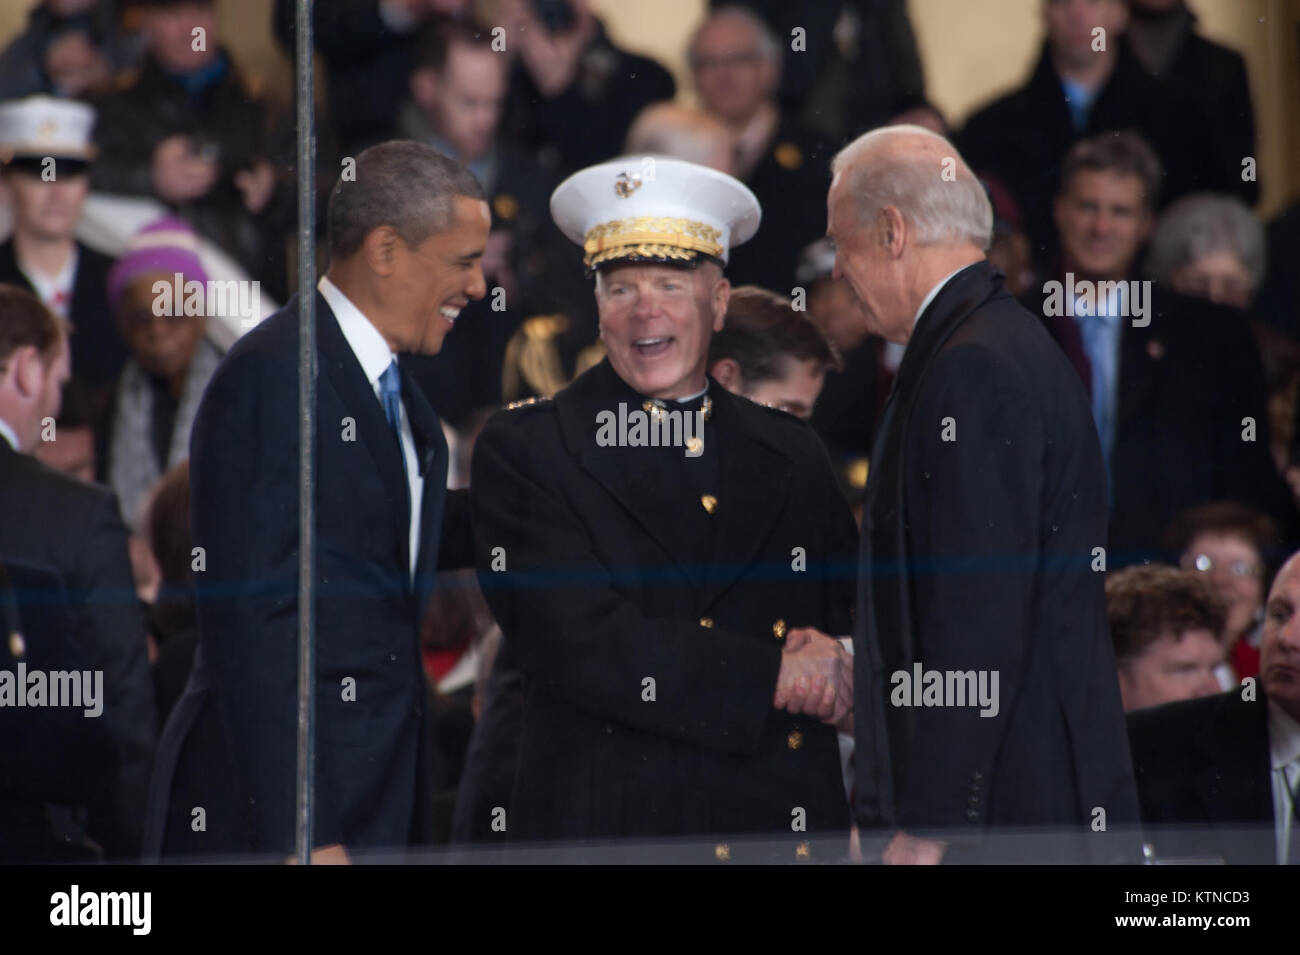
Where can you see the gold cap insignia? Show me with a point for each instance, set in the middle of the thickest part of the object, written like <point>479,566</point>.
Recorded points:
<point>626,184</point>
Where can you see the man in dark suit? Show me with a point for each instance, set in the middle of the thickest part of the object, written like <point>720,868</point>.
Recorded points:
<point>1087,83</point>
<point>736,63</point>
<point>1163,37</point>
<point>1219,777</point>
<point>72,531</point>
<point>985,499</point>
<point>43,255</point>
<point>49,756</point>
<point>405,238</point>
<point>457,96</point>
<point>656,598</point>
<point>1178,394</point>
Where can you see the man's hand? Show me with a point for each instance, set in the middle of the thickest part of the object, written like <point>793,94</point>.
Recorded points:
<point>816,676</point>
<point>912,850</point>
<point>256,185</point>
<point>178,173</point>
<point>333,854</point>
<point>552,59</point>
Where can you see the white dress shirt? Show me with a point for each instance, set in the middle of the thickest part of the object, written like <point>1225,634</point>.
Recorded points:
<point>55,293</point>
<point>1284,758</point>
<point>9,434</point>
<point>375,356</point>
<point>932,294</point>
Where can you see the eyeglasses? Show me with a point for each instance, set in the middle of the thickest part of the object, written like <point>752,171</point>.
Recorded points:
<point>727,61</point>
<point>1238,568</point>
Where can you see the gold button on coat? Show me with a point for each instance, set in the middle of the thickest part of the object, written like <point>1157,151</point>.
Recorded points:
<point>710,503</point>
<point>794,740</point>
<point>778,629</point>
<point>706,622</point>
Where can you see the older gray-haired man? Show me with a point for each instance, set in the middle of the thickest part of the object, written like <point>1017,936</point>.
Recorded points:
<point>987,701</point>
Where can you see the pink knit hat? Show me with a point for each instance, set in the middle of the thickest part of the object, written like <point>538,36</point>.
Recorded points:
<point>165,245</point>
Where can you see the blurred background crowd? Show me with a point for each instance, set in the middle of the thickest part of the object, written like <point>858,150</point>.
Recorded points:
<point>1164,154</point>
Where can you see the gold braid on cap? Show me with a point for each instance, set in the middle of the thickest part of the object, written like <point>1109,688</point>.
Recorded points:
<point>650,237</point>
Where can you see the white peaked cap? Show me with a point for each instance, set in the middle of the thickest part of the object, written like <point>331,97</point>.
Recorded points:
<point>46,126</point>
<point>654,209</point>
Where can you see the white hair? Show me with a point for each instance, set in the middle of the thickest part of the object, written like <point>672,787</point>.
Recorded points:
<point>943,203</point>
<point>1202,223</point>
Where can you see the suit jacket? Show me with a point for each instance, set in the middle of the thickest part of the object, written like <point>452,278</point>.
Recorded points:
<point>790,182</point>
<point>615,574</point>
<point>74,531</point>
<point>985,499</point>
<point>1186,383</point>
<point>372,780</point>
<point>1023,137</point>
<point>98,351</point>
<point>1203,779</point>
<point>48,755</point>
<point>1214,77</point>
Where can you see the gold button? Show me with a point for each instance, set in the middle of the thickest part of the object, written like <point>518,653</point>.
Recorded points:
<point>710,503</point>
<point>803,851</point>
<point>794,740</point>
<point>706,622</point>
<point>695,446</point>
<point>17,645</point>
<point>722,851</point>
<point>778,629</point>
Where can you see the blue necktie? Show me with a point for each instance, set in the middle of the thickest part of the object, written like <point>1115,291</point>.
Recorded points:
<point>390,394</point>
<point>1099,332</point>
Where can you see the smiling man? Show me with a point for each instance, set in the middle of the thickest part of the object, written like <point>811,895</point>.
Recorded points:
<point>985,499</point>
<point>659,604</point>
<point>405,238</point>
<point>1219,776</point>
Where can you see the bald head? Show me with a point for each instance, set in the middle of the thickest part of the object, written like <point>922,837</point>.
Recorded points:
<point>1279,651</point>
<point>921,174</point>
<point>670,129</point>
<point>904,211</point>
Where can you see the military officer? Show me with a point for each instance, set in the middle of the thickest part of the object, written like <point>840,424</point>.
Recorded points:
<point>653,548</point>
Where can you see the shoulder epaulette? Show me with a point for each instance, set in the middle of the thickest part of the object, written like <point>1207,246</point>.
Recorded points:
<point>526,402</point>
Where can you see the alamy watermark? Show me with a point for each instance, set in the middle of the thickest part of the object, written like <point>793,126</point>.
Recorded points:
<point>657,428</point>
<point>1127,299</point>
<point>231,298</point>
<point>949,688</point>
<point>75,907</point>
<point>83,689</point>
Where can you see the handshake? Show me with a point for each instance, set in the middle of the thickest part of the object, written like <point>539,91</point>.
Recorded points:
<point>816,677</point>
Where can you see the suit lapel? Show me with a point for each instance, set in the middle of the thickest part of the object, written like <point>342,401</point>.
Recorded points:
<point>1136,371</point>
<point>754,487</point>
<point>1232,781</point>
<point>431,454</point>
<point>343,374</point>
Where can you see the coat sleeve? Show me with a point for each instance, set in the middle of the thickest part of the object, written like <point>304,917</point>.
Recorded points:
<point>585,643</point>
<point>839,568</point>
<point>973,487</point>
<point>111,629</point>
<point>244,513</point>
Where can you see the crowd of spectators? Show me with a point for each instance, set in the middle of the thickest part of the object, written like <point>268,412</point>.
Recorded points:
<point>1119,168</point>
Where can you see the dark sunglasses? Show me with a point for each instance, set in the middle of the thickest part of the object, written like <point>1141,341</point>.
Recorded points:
<point>35,165</point>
